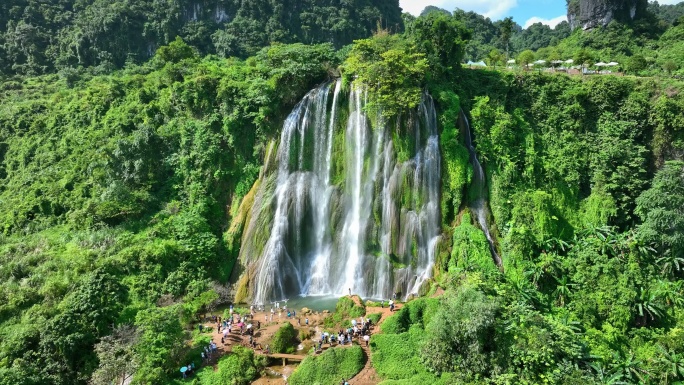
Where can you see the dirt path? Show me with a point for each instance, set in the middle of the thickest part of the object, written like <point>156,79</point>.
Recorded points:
<point>368,375</point>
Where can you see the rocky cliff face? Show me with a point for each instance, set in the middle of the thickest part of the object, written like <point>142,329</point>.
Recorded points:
<point>589,14</point>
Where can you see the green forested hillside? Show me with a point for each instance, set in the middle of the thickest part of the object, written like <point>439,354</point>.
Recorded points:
<point>43,36</point>
<point>128,179</point>
<point>118,191</point>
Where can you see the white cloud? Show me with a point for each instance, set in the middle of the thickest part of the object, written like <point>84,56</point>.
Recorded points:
<point>669,2</point>
<point>494,9</point>
<point>550,22</point>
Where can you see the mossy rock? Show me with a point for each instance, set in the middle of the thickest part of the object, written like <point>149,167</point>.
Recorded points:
<point>242,289</point>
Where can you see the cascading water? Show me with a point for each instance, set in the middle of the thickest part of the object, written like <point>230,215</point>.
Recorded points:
<point>479,204</point>
<point>346,212</point>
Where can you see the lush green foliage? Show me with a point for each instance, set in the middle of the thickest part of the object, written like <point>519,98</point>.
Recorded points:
<point>237,368</point>
<point>329,367</point>
<point>418,312</point>
<point>395,68</point>
<point>456,171</point>
<point>375,318</point>
<point>115,190</point>
<point>43,36</point>
<point>284,339</point>
<point>470,249</point>
<point>586,229</point>
<point>394,355</point>
<point>459,338</point>
<point>392,68</point>
<point>661,209</point>
<point>345,309</point>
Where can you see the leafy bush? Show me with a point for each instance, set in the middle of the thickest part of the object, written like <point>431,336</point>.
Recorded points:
<point>394,355</point>
<point>397,323</point>
<point>345,309</point>
<point>470,250</point>
<point>284,339</point>
<point>461,335</point>
<point>237,368</point>
<point>392,68</point>
<point>375,318</point>
<point>422,378</point>
<point>328,368</point>
<point>418,312</point>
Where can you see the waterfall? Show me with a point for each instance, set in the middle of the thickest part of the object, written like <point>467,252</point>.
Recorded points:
<point>375,230</point>
<point>318,282</point>
<point>479,204</point>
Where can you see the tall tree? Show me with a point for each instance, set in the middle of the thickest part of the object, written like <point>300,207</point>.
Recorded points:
<point>506,30</point>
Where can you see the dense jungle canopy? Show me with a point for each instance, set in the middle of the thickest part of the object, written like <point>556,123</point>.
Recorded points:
<point>132,134</point>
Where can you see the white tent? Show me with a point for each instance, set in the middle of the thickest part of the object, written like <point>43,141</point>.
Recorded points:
<point>478,64</point>
<point>570,61</point>
<point>540,62</point>
<point>600,64</point>
<point>557,62</point>
<point>612,64</point>
<point>512,61</point>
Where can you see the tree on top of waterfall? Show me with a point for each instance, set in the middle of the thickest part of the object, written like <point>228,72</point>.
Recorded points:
<point>392,68</point>
<point>442,38</point>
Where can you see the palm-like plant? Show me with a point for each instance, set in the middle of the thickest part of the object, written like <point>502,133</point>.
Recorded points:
<point>602,238</point>
<point>535,273</point>
<point>670,263</point>
<point>605,376</point>
<point>674,364</point>
<point>629,367</point>
<point>563,290</point>
<point>554,244</point>
<point>671,292</point>
<point>524,290</point>
<point>574,326</point>
<point>647,306</point>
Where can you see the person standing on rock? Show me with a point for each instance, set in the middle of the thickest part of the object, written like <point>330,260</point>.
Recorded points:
<point>350,291</point>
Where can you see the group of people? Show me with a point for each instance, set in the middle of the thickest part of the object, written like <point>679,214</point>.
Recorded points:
<point>209,351</point>
<point>188,369</point>
<point>289,314</point>
<point>360,330</point>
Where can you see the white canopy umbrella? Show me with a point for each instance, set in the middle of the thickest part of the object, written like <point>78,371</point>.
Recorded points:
<point>512,61</point>
<point>600,64</point>
<point>540,62</point>
<point>570,61</point>
<point>557,62</point>
<point>612,64</point>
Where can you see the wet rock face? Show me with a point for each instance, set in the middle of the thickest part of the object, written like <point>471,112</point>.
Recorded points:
<point>589,14</point>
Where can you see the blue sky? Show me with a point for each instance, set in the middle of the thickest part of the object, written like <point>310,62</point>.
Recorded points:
<point>524,12</point>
